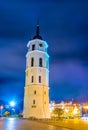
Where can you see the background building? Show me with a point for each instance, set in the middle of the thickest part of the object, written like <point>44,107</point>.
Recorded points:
<point>65,109</point>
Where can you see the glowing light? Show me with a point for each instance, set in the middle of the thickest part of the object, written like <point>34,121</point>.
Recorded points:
<point>66,110</point>
<point>1,107</point>
<point>85,107</point>
<point>12,103</point>
<point>75,111</point>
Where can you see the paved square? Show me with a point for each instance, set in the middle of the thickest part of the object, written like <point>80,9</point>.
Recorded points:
<point>22,124</point>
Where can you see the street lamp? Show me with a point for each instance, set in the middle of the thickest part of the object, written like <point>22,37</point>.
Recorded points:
<point>12,103</point>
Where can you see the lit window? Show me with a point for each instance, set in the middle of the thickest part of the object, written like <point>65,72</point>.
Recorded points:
<point>32,61</point>
<point>33,47</point>
<point>33,101</point>
<point>35,92</point>
<point>32,79</point>
<point>39,79</point>
<point>40,62</point>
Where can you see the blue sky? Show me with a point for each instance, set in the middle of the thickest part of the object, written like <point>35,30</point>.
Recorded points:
<point>64,25</point>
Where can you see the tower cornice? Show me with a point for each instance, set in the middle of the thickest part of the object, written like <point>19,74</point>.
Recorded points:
<point>36,67</point>
<point>37,40</point>
<point>29,52</point>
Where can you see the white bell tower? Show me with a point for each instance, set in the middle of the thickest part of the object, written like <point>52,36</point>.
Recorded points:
<point>36,96</point>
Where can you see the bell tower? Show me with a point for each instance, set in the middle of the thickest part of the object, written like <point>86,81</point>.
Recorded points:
<point>36,93</point>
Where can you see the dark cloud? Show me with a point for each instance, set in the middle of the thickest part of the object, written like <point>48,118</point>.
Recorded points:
<point>8,80</point>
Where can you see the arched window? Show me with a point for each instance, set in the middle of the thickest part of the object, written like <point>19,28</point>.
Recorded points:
<point>32,79</point>
<point>35,92</point>
<point>33,101</point>
<point>40,45</point>
<point>32,61</point>
<point>33,47</point>
<point>39,79</point>
<point>40,62</point>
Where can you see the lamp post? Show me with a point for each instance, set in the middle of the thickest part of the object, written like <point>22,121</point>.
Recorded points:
<point>12,104</point>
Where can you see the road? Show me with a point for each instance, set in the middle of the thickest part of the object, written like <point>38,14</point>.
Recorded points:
<point>22,124</point>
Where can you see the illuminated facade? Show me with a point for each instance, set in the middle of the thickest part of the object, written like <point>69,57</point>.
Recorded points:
<point>36,96</point>
<point>69,109</point>
<point>85,108</point>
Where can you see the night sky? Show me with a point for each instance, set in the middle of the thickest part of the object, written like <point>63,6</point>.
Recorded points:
<point>64,25</point>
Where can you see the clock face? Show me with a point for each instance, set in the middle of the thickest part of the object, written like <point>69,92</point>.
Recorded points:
<point>40,44</point>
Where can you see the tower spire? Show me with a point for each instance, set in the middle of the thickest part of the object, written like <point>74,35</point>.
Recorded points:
<point>37,30</point>
<point>37,35</point>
